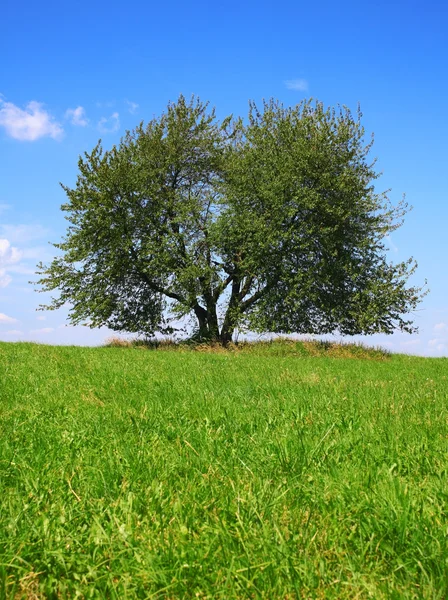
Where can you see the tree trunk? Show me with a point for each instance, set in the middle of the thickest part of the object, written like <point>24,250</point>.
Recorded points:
<point>228,327</point>
<point>208,323</point>
<point>213,328</point>
<point>212,320</point>
<point>201,315</point>
<point>226,335</point>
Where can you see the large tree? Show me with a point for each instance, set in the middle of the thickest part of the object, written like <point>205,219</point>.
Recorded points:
<point>271,223</point>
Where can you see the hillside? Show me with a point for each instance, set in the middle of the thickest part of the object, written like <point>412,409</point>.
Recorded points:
<point>279,471</point>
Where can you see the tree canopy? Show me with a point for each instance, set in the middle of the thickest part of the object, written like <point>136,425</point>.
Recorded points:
<point>271,223</point>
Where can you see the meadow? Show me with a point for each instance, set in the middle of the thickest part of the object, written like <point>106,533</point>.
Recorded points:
<point>277,471</point>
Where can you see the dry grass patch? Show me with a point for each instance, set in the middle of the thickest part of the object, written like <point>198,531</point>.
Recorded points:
<point>276,347</point>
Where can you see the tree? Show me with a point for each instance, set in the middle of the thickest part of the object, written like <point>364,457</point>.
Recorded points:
<point>272,224</point>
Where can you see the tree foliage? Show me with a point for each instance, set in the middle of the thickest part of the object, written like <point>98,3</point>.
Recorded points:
<point>272,223</point>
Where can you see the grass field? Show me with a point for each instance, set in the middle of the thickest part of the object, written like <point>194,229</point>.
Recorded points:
<point>262,473</point>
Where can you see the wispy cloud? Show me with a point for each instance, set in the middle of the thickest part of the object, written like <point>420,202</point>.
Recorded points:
<point>13,332</point>
<point>441,327</point>
<point>109,124</point>
<point>20,260</point>
<point>298,85</point>
<point>5,279</point>
<point>392,246</point>
<point>22,269</point>
<point>22,234</point>
<point>28,124</point>
<point>43,330</point>
<point>132,106</point>
<point>410,343</point>
<point>5,319</point>
<point>77,116</point>
<point>9,255</point>
<point>437,344</point>
<point>107,104</point>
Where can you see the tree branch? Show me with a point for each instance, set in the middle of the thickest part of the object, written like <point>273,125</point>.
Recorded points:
<point>250,301</point>
<point>161,290</point>
<point>246,287</point>
<point>222,286</point>
<point>151,284</point>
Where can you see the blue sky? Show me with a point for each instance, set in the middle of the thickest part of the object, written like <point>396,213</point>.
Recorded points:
<point>71,74</point>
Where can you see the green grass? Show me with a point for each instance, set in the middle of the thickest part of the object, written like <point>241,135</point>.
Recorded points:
<point>266,473</point>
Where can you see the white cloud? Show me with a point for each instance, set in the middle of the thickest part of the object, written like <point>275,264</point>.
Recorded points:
<point>440,327</point>
<point>410,343</point>
<point>77,116</point>
<point>21,269</point>
<point>5,319</point>
<point>23,261</point>
<point>110,124</point>
<point>392,246</point>
<point>5,279</point>
<point>38,253</point>
<point>298,85</point>
<point>132,106</point>
<point>43,330</point>
<point>13,332</point>
<point>41,318</point>
<point>29,124</point>
<point>9,255</point>
<point>438,345</point>
<point>4,207</point>
<point>387,344</point>
<point>21,234</point>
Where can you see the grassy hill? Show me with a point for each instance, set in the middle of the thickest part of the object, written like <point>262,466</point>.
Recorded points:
<point>277,471</point>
